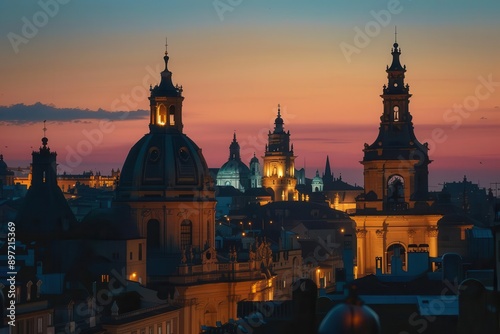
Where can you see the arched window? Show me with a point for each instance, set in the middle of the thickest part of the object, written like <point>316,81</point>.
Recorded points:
<point>396,189</point>
<point>161,117</point>
<point>186,233</point>
<point>397,250</point>
<point>396,113</point>
<point>153,234</point>
<point>171,115</point>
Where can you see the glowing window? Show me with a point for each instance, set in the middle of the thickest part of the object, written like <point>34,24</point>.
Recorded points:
<point>162,115</point>
<point>396,113</point>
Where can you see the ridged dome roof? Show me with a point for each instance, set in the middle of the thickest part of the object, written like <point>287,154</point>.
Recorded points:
<point>233,167</point>
<point>164,161</point>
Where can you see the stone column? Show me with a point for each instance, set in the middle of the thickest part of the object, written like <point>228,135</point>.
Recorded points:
<point>361,254</point>
<point>411,235</point>
<point>432,234</point>
<point>379,248</point>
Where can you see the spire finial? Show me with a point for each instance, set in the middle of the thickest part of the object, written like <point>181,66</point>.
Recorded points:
<point>44,128</point>
<point>166,46</point>
<point>279,110</point>
<point>395,34</point>
<point>234,135</point>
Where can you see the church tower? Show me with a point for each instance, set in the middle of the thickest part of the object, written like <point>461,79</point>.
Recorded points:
<point>166,183</point>
<point>396,163</point>
<point>393,215</point>
<point>255,173</point>
<point>279,163</point>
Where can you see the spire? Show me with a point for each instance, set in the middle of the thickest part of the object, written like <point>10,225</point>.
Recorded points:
<point>278,122</point>
<point>234,149</point>
<point>166,87</point>
<point>44,139</point>
<point>328,176</point>
<point>395,34</point>
<point>166,46</point>
<point>396,65</point>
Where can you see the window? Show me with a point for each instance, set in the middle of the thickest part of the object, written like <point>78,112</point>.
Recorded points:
<point>171,115</point>
<point>140,252</point>
<point>161,115</point>
<point>186,233</point>
<point>396,113</point>
<point>39,325</point>
<point>130,257</point>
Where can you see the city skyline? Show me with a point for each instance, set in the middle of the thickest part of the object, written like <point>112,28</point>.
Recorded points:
<point>237,62</point>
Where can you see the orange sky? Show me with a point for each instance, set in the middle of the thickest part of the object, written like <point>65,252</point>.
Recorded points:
<point>235,72</point>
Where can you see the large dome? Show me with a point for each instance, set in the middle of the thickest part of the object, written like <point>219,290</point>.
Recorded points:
<point>163,160</point>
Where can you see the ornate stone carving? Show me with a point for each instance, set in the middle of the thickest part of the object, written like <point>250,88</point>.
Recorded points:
<point>380,233</point>
<point>432,232</point>
<point>361,233</point>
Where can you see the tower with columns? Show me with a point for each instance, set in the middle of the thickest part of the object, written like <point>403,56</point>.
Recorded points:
<point>394,212</point>
<point>279,163</point>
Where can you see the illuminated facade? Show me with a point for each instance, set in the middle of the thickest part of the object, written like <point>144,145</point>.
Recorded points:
<point>394,211</point>
<point>279,164</point>
<point>234,172</point>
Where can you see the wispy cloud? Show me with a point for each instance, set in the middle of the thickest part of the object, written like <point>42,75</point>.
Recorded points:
<point>19,114</point>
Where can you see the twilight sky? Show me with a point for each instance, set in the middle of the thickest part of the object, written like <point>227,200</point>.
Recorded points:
<point>323,61</point>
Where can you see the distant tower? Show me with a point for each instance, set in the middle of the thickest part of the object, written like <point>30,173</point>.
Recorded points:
<point>255,173</point>
<point>396,164</point>
<point>279,163</point>
<point>317,183</point>
<point>45,213</point>
<point>328,175</point>
<point>234,172</point>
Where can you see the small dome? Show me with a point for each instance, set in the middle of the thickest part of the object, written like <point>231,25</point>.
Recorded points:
<point>351,317</point>
<point>162,161</point>
<point>254,160</point>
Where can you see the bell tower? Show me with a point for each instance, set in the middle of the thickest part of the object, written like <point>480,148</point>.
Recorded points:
<point>396,163</point>
<point>166,103</point>
<point>279,163</point>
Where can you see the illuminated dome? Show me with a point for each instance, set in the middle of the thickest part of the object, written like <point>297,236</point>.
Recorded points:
<point>234,172</point>
<point>317,183</point>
